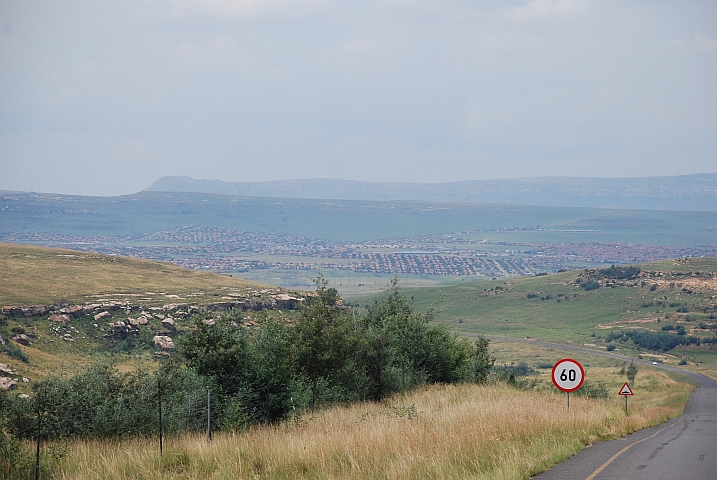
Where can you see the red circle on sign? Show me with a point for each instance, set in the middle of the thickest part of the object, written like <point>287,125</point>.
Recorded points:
<point>557,383</point>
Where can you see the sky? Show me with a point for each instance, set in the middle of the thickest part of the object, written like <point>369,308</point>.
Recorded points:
<point>104,97</point>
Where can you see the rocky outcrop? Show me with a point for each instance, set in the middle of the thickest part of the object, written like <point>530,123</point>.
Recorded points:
<point>7,384</point>
<point>59,317</point>
<point>169,323</point>
<point>22,339</point>
<point>163,341</point>
<point>287,302</point>
<point>7,370</point>
<point>74,311</point>
<point>26,311</point>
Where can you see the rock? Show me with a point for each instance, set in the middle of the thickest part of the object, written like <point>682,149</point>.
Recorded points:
<point>208,321</point>
<point>133,321</point>
<point>287,301</point>
<point>22,339</point>
<point>142,321</point>
<point>7,384</point>
<point>168,323</point>
<point>27,311</point>
<point>23,395</point>
<point>170,307</point>
<point>159,316</point>
<point>161,354</point>
<point>7,370</point>
<point>2,340</point>
<point>162,341</point>
<point>102,315</point>
<point>75,311</point>
<point>61,317</point>
<point>68,337</point>
<point>25,380</point>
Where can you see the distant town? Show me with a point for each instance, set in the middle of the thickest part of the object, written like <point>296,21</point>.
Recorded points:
<point>458,254</point>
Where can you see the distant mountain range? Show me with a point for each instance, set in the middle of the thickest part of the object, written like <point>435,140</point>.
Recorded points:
<point>685,192</point>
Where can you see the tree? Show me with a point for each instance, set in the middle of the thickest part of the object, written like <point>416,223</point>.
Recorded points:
<point>250,367</point>
<point>321,343</point>
<point>631,372</point>
<point>479,361</point>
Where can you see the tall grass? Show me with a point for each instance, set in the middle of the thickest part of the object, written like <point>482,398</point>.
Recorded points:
<point>444,431</point>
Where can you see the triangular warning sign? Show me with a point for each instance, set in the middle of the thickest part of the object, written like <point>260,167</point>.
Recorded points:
<point>625,390</point>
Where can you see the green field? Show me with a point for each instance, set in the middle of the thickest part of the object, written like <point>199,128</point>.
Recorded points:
<point>557,309</point>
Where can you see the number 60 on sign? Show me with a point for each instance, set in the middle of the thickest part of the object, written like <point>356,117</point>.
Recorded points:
<point>568,375</point>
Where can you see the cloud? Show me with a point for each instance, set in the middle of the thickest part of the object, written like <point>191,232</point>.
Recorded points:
<point>546,9</point>
<point>698,42</point>
<point>244,9</point>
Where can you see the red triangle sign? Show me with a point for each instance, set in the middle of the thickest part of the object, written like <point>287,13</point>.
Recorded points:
<point>625,390</point>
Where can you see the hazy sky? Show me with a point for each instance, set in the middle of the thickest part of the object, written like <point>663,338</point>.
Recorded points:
<point>104,97</point>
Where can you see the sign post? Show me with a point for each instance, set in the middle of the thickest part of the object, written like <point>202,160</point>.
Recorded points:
<point>568,376</point>
<point>626,391</point>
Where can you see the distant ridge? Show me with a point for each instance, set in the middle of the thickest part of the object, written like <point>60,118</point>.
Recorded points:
<point>685,192</point>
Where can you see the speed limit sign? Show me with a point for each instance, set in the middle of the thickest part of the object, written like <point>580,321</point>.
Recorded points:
<point>568,375</point>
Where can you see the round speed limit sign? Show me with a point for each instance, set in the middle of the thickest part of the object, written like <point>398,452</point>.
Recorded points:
<point>568,375</point>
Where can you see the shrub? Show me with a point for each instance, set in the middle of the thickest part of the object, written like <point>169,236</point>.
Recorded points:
<point>15,352</point>
<point>596,390</point>
<point>590,285</point>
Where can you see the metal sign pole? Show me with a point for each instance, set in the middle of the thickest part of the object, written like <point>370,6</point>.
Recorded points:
<point>625,404</point>
<point>568,400</point>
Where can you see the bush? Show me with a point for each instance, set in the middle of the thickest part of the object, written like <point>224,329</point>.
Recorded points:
<point>15,352</point>
<point>590,285</point>
<point>596,390</point>
<point>610,347</point>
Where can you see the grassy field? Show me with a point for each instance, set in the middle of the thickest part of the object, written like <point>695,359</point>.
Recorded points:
<point>464,431</point>
<point>31,275</point>
<point>34,275</point>
<point>556,308</point>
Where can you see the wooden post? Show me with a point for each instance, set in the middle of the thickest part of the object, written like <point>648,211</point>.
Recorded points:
<point>159,403</point>
<point>39,433</point>
<point>209,415</point>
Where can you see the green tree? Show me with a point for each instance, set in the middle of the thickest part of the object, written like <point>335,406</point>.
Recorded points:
<point>251,367</point>
<point>631,372</point>
<point>322,345</point>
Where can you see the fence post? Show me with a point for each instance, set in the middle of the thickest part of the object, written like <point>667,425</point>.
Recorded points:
<point>209,415</point>
<point>159,402</point>
<point>39,432</point>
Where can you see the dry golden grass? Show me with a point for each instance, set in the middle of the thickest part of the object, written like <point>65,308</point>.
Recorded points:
<point>35,275</point>
<point>455,431</point>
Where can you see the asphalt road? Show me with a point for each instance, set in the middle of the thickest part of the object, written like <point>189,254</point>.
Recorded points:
<point>683,448</point>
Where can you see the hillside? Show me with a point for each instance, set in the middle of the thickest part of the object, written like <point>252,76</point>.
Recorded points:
<point>63,308</point>
<point>684,192</point>
<point>662,298</point>
<point>35,275</point>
